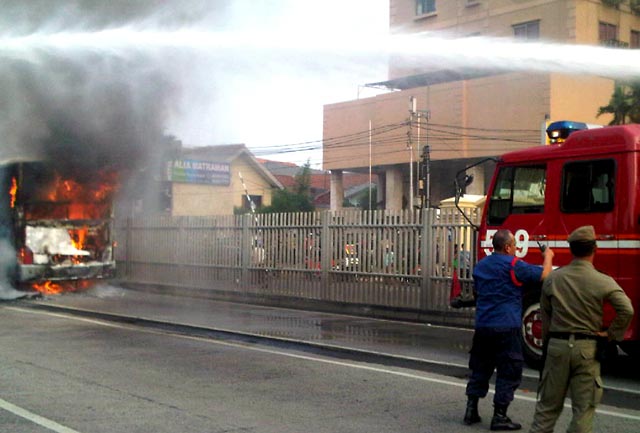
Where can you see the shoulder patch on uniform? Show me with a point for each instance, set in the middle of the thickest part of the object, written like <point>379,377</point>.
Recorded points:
<point>512,272</point>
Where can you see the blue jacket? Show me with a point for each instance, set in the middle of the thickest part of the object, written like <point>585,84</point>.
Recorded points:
<point>498,298</point>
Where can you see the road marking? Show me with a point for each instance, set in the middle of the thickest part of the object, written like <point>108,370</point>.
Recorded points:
<point>459,384</point>
<point>408,375</point>
<point>529,374</point>
<point>36,419</point>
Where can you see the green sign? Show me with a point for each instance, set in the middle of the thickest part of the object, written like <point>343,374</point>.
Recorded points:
<point>207,172</point>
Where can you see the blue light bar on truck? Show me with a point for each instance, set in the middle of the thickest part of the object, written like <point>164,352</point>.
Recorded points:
<point>560,130</point>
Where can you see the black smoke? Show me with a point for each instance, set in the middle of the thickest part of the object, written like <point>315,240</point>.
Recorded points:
<point>111,105</point>
<point>89,112</point>
<point>87,109</point>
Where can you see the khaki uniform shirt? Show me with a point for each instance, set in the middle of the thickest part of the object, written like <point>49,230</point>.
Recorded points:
<point>572,301</point>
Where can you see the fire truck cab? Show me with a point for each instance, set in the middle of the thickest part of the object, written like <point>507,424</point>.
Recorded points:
<point>542,194</point>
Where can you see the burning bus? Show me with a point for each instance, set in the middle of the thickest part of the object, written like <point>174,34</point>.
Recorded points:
<point>60,225</point>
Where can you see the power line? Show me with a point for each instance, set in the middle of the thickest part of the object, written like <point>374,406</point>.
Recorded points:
<point>440,135</point>
<point>364,135</point>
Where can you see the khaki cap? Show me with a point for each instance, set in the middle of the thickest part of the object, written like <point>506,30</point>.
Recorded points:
<point>584,233</point>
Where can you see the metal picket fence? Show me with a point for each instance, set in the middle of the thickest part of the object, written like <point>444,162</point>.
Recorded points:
<point>390,259</point>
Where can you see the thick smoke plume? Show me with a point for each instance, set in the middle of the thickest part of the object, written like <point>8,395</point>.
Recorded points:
<point>206,71</point>
<point>88,106</point>
<point>87,112</point>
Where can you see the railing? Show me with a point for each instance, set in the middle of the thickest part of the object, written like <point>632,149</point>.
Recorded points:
<point>614,43</point>
<point>388,259</point>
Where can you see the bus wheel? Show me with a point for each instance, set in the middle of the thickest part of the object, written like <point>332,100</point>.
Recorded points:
<point>532,332</point>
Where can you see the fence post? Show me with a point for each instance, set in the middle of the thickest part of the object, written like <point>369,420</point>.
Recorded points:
<point>179,252</point>
<point>426,258</point>
<point>245,249</point>
<point>325,252</point>
<point>128,262</point>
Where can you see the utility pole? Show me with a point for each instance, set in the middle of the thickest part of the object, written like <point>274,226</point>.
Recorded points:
<point>426,176</point>
<point>412,116</point>
<point>426,164</point>
<point>424,169</point>
<point>370,184</point>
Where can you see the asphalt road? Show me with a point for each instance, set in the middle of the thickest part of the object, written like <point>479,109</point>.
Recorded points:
<point>75,374</point>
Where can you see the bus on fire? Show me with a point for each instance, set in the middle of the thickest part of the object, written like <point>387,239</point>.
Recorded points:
<point>56,227</point>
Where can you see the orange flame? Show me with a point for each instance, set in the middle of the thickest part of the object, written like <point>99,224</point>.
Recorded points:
<point>48,288</point>
<point>90,200</point>
<point>79,240</point>
<point>51,288</point>
<point>13,191</point>
<point>79,237</point>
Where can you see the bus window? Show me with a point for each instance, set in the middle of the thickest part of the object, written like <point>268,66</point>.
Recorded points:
<point>518,190</point>
<point>587,186</point>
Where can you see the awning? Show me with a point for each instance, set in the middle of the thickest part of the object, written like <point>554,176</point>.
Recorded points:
<point>435,77</point>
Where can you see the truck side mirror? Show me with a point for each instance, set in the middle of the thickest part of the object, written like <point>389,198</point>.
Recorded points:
<point>461,187</point>
<point>468,180</point>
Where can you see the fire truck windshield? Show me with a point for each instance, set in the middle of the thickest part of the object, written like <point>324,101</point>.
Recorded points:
<point>517,190</point>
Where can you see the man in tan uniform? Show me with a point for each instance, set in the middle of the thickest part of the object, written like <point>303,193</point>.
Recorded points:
<point>572,305</point>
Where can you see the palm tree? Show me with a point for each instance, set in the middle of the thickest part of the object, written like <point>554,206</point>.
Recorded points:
<point>634,111</point>
<point>620,105</point>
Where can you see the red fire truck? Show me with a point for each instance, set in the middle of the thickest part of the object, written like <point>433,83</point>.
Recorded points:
<point>543,193</point>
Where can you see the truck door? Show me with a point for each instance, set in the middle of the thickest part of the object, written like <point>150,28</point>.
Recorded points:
<point>588,198</point>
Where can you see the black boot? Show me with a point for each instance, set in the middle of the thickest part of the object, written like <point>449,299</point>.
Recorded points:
<point>501,421</point>
<point>471,415</point>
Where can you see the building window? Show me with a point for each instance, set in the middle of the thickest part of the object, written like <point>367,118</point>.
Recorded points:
<point>634,41</point>
<point>607,33</point>
<point>528,30</point>
<point>425,6</point>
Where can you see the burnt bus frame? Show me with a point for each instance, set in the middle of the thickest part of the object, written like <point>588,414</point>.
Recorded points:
<point>13,224</point>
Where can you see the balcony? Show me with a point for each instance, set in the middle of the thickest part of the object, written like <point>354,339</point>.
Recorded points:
<point>613,3</point>
<point>614,43</point>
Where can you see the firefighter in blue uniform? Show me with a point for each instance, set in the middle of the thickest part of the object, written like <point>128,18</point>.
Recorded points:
<point>498,281</point>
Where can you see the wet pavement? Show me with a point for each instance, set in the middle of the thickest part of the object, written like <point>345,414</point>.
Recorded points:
<point>415,342</point>
<point>412,340</point>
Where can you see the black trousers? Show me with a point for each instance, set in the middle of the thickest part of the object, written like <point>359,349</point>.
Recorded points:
<point>498,349</point>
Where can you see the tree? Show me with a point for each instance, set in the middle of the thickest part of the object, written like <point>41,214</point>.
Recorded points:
<point>296,200</point>
<point>362,199</point>
<point>634,112</point>
<point>303,180</point>
<point>624,104</point>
